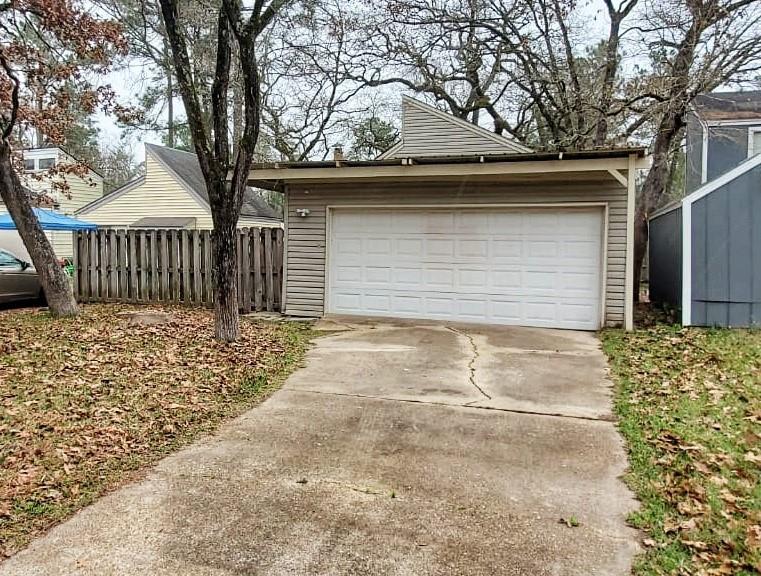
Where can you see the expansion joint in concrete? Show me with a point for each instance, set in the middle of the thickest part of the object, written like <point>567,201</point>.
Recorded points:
<point>472,362</point>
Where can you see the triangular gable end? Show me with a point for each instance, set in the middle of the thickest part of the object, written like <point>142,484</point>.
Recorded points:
<point>427,131</point>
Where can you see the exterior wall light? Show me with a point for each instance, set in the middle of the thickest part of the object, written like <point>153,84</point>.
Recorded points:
<point>302,212</point>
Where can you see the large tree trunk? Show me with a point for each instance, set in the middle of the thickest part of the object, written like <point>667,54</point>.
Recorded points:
<point>653,188</point>
<point>225,270</point>
<point>54,281</point>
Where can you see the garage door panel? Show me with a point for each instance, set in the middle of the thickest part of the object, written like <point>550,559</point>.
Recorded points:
<point>529,267</point>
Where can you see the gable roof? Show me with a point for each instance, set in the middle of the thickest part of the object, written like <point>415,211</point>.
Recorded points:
<point>427,131</point>
<point>184,168</point>
<point>745,105</point>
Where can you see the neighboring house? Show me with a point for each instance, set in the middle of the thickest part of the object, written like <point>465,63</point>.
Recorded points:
<point>38,177</point>
<point>723,130</point>
<point>705,250</point>
<point>456,223</point>
<point>171,194</point>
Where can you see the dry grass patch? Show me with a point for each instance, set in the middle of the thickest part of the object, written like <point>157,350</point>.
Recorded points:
<point>86,401</point>
<point>689,406</point>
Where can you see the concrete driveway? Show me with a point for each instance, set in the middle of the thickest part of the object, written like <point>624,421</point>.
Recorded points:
<point>400,448</point>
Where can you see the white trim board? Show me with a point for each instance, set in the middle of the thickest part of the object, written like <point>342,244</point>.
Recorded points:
<point>725,178</point>
<point>751,149</point>
<point>629,287</point>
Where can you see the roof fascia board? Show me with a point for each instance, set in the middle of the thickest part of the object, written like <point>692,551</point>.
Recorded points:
<point>480,131</point>
<point>395,148</point>
<point>665,210</point>
<point>445,170</point>
<point>734,122</point>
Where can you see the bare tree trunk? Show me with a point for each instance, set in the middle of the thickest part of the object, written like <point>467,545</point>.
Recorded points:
<point>170,109</point>
<point>225,272</point>
<point>52,276</point>
<point>655,185</point>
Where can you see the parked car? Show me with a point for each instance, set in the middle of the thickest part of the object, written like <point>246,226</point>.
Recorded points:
<point>18,279</point>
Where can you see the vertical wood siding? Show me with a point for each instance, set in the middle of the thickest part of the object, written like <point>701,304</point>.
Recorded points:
<point>726,254</point>
<point>306,237</point>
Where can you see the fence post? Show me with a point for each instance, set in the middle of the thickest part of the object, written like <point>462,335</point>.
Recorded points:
<point>75,263</point>
<point>270,285</point>
<point>278,269</point>
<point>154,268</point>
<point>257,247</point>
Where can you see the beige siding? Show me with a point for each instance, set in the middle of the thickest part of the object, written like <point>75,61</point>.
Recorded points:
<point>160,195</point>
<point>81,191</point>
<point>428,133</point>
<point>307,236</point>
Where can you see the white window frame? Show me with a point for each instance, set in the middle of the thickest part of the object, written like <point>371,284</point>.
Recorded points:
<point>751,131</point>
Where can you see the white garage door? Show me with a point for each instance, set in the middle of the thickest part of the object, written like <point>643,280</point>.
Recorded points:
<point>527,267</point>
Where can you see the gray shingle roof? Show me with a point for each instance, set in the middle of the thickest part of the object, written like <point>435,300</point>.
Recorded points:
<point>185,166</point>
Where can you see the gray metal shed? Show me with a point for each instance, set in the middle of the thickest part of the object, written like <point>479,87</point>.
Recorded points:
<point>705,251</point>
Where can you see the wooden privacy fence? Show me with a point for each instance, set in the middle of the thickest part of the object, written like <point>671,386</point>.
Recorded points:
<point>137,265</point>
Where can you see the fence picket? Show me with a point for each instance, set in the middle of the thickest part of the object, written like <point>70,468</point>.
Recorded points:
<point>269,284</point>
<point>174,266</point>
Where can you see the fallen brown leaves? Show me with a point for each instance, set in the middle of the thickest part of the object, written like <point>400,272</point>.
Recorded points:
<point>689,402</point>
<point>85,401</point>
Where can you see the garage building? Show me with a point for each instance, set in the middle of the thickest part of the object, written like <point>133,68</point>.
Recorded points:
<point>457,223</point>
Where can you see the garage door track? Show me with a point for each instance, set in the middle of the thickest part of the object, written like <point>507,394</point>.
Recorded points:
<point>400,448</point>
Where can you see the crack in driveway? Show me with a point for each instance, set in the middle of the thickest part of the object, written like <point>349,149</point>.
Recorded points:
<point>472,362</point>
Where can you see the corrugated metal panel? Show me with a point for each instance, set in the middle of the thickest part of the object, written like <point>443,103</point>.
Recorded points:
<point>309,234</point>
<point>726,254</point>
<point>665,255</point>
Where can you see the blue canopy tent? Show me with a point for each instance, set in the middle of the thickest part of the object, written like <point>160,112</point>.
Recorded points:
<point>49,220</point>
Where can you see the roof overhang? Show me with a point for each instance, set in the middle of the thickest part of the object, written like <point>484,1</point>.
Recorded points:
<point>273,175</point>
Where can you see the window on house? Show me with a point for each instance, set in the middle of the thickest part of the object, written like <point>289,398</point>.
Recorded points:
<point>45,163</point>
<point>29,165</point>
<point>754,141</point>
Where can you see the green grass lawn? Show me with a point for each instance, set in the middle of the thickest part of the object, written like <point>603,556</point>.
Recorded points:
<point>689,407</point>
<point>86,403</point>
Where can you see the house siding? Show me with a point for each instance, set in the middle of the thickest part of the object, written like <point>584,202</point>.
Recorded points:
<point>726,254</point>
<point>665,258</point>
<point>81,191</point>
<point>425,133</point>
<point>306,237</point>
<point>160,195</point>
<point>727,148</point>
